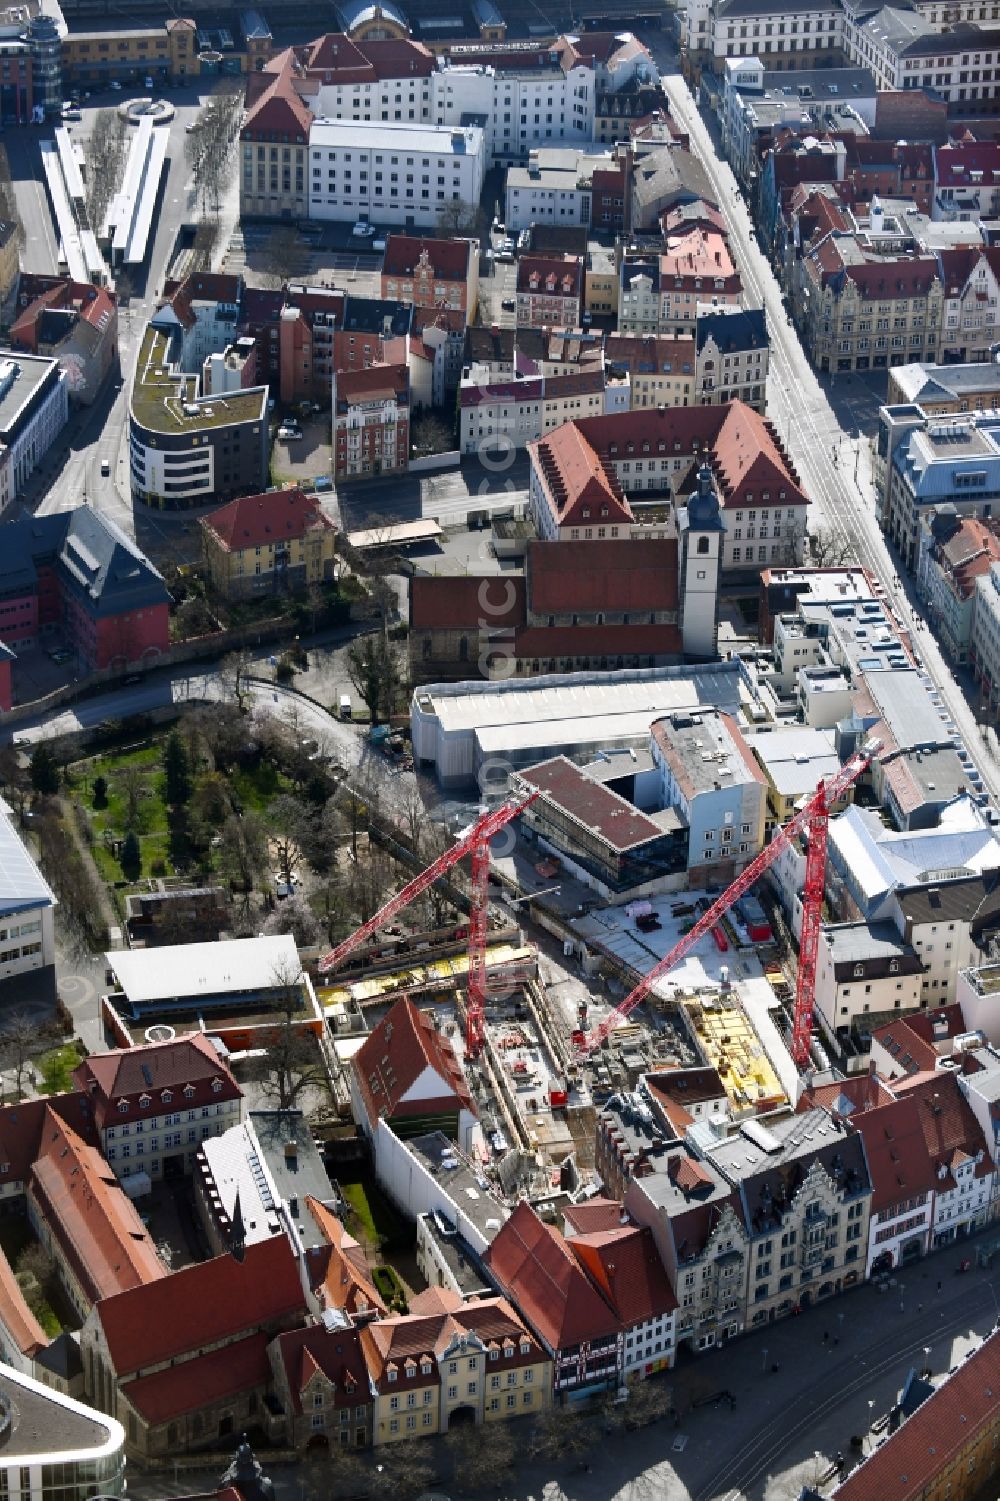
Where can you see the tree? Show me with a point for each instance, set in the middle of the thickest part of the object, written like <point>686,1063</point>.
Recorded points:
<point>210,804</point>
<point>14,778</point>
<point>457,218</point>
<point>403,1469</point>
<point>373,668</point>
<point>105,159</point>
<point>291,1064</point>
<point>132,782</point>
<point>828,550</point>
<point>130,858</point>
<point>561,1434</point>
<point>285,816</point>
<point>233,674</point>
<point>44,772</point>
<point>243,850</point>
<point>295,916</point>
<point>176,770</point>
<point>320,835</point>
<point>100,792</point>
<point>431,432</point>
<point>489,1453</point>
<point>282,258</point>
<point>19,1043</point>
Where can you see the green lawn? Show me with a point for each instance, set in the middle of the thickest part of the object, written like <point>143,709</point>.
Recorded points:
<point>151,821</point>
<point>56,1069</point>
<point>375,1219</point>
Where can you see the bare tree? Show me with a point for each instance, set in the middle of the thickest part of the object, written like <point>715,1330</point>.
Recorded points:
<point>234,674</point>
<point>291,1064</point>
<point>19,1043</point>
<point>404,1469</point>
<point>458,218</point>
<point>132,782</point>
<point>285,815</point>
<point>374,670</point>
<point>243,851</point>
<point>490,1453</point>
<point>560,1433</point>
<point>295,916</point>
<point>105,160</point>
<point>828,550</point>
<point>282,258</point>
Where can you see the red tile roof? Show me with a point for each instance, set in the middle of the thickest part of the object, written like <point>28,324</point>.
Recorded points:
<point>625,1266</point>
<point>911,1039</point>
<point>590,804</point>
<point>335,1353</point>
<point>955,164</point>
<point>699,253</point>
<point>932,1441</point>
<point>594,1214</point>
<point>748,461</point>
<point>279,112</point>
<point>194,1384</point>
<point>128,1075</point>
<point>564,272</point>
<point>364,385</point>
<point>536,1267</point>
<point>455,603</point>
<point>275,516</point>
<point>399,1051</point>
<point>576,479</point>
<point>201,1305</point>
<point>449,259</point>
<point>338,1272</point>
<point>947,1121</point>
<point>624,575</point>
<point>896,1148</point>
<point>91,1217</point>
<point>365,60</point>
<point>860,1091</point>
<point>21,1130</point>
<point>16,1318</point>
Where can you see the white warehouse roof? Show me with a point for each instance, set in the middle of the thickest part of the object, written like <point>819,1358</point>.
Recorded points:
<point>372,135</point>
<point>22,884</point>
<point>235,966</point>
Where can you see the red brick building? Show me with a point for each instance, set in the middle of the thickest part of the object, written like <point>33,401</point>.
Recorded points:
<point>371,422</point>
<point>432,273</point>
<point>73,575</point>
<point>549,289</point>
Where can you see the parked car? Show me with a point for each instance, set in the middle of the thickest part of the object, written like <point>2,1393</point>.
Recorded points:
<point>289,434</point>
<point>116,85</point>
<point>72,114</point>
<point>509,305</point>
<point>105,466</point>
<point>363,231</point>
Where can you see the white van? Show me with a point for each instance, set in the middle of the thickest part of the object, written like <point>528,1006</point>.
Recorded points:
<point>346,711</point>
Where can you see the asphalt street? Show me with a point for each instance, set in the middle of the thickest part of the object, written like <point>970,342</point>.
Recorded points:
<point>72,469</point>
<point>842,494</point>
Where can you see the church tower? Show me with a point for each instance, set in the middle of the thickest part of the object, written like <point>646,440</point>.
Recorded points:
<point>700,533</point>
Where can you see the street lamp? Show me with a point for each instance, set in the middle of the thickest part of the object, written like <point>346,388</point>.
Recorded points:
<point>763,1360</point>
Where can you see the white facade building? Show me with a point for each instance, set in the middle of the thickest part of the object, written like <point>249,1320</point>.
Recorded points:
<point>984,637</point>
<point>55,1446</point>
<point>554,187</point>
<point>392,173</point>
<point>523,107</point>
<point>34,406</point>
<point>27,907</point>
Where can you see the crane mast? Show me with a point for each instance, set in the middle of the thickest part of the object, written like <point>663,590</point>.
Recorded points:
<point>475,841</point>
<point>813,816</point>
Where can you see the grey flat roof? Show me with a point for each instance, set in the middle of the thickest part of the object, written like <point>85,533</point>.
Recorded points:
<point>47,1427</point>
<point>297,1174</point>
<point>470,1193</point>
<point>31,372</point>
<point>206,970</point>
<point>861,940</point>
<point>459,1257</point>
<point>22,884</point>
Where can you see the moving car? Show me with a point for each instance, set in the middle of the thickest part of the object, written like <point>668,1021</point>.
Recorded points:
<point>105,466</point>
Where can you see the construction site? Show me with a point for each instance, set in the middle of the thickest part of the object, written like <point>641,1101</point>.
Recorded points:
<point>547,1032</point>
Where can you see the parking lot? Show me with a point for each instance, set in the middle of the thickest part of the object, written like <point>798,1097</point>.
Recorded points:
<point>301,460</point>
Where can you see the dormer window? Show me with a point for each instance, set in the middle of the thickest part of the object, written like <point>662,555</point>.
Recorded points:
<point>216,1085</point>
<point>425,1368</point>
<point>144,1102</point>
<point>494,1353</point>
<point>525,1347</point>
<point>123,1107</point>
<point>586,513</point>
<point>189,1091</point>
<point>859,971</point>
<point>167,1096</point>
<point>410,1368</point>
<point>391,1373</point>
<point>894,966</point>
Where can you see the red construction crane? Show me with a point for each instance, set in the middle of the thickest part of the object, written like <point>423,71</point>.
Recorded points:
<point>812,816</point>
<point>475,842</point>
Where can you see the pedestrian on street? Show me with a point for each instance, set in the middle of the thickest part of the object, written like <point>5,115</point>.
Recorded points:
<point>940,1284</point>
<point>825,1336</point>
